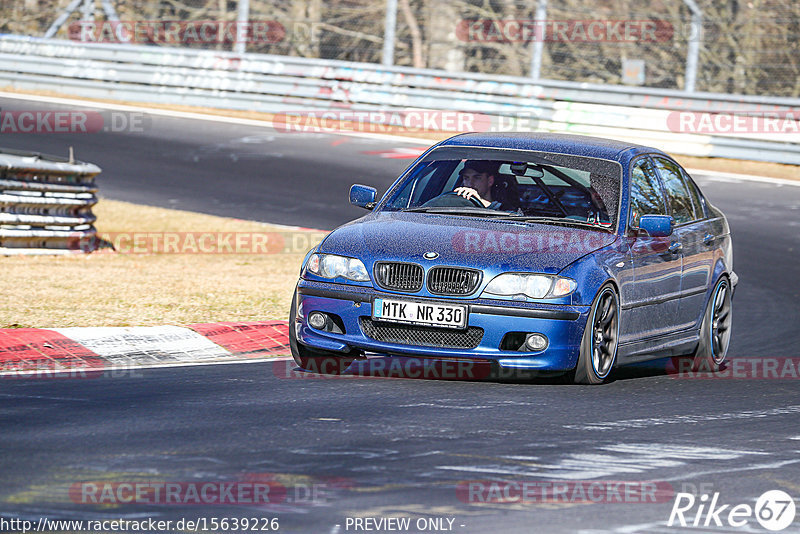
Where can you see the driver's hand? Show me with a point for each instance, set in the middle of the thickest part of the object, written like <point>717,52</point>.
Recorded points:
<point>469,193</point>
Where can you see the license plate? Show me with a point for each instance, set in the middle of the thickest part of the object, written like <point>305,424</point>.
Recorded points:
<point>420,313</point>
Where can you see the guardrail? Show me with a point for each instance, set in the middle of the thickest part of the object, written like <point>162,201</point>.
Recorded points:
<point>45,203</point>
<point>271,84</point>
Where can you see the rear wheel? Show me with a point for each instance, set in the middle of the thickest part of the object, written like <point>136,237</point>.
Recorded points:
<point>715,332</point>
<point>599,343</point>
<point>316,361</point>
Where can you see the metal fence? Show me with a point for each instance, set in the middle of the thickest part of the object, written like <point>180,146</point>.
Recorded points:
<point>732,47</point>
<point>45,203</point>
<point>266,83</point>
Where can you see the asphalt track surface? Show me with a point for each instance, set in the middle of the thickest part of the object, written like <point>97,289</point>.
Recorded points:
<point>380,447</point>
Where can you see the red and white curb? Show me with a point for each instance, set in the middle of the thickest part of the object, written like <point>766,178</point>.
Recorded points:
<point>34,350</point>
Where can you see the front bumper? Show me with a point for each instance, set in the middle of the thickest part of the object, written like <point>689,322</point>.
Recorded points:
<point>562,324</point>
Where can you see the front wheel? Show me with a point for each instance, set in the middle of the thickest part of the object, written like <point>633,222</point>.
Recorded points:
<point>322,362</point>
<point>600,339</point>
<point>715,332</point>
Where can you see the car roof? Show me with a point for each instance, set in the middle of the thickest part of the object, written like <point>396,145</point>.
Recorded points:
<point>577,145</point>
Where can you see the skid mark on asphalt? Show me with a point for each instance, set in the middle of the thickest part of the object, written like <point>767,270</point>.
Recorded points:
<point>627,424</point>
<point>449,406</point>
<point>457,404</point>
<point>623,458</point>
<point>42,397</point>
<point>660,527</point>
<point>366,454</point>
<point>686,476</point>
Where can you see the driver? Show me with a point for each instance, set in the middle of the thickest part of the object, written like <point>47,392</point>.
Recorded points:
<point>477,178</point>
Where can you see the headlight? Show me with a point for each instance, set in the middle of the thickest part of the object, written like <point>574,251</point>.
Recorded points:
<point>536,286</point>
<point>333,266</point>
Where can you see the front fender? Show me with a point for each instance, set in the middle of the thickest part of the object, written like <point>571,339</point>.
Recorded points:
<point>595,269</point>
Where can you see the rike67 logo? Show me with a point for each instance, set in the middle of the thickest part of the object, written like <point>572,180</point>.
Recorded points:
<point>774,510</point>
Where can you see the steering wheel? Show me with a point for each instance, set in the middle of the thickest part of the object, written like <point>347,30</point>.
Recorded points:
<point>451,198</point>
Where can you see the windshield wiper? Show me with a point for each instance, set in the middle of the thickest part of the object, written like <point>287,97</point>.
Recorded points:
<point>456,210</point>
<point>556,220</point>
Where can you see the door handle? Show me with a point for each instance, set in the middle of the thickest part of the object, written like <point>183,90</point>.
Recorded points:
<point>675,247</point>
<point>708,239</point>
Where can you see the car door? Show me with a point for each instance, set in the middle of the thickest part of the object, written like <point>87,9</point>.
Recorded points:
<point>693,230</point>
<point>651,285</point>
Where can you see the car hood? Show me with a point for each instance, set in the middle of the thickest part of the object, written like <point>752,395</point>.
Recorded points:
<point>474,242</point>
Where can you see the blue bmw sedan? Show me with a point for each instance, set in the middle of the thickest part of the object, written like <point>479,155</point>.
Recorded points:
<point>546,253</point>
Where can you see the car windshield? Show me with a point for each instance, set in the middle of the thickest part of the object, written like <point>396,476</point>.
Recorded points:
<point>522,185</point>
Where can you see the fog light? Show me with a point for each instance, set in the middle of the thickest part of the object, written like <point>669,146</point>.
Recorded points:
<point>317,320</point>
<point>536,342</point>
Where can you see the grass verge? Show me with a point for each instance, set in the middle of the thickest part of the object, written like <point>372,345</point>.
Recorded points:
<point>144,289</point>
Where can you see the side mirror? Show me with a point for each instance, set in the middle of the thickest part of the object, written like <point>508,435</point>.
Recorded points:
<point>363,196</point>
<point>656,225</point>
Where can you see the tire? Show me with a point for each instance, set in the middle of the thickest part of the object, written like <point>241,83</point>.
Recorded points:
<point>315,361</point>
<point>600,339</point>
<point>715,331</point>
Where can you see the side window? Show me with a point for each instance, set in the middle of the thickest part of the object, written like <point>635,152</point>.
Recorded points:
<point>677,193</point>
<point>697,197</point>
<point>647,196</point>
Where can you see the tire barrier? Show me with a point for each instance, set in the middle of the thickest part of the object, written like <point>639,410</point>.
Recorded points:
<point>45,203</point>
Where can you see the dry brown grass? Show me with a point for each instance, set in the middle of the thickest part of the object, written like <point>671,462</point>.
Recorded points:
<point>118,289</point>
